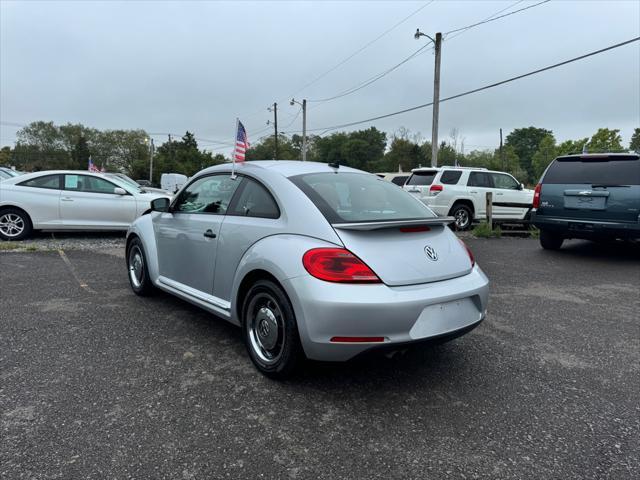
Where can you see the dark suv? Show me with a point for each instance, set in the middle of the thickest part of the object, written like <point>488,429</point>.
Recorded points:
<point>590,196</point>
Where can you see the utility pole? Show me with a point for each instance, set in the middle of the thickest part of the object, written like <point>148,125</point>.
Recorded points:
<point>437,42</point>
<point>501,151</point>
<point>304,126</point>
<point>151,151</point>
<point>275,124</point>
<point>436,102</point>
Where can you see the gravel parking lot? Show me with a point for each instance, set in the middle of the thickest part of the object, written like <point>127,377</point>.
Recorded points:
<point>98,383</point>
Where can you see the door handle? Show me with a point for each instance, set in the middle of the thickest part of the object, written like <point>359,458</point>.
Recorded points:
<point>66,199</point>
<point>473,192</point>
<point>499,194</point>
<point>209,234</point>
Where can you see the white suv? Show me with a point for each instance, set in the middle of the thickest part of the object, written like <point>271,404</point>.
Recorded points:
<point>461,193</point>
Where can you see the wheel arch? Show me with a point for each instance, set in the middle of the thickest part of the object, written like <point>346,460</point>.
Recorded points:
<point>463,201</point>
<point>245,284</point>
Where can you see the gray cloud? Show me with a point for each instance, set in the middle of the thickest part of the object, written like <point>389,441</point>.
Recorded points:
<point>171,66</point>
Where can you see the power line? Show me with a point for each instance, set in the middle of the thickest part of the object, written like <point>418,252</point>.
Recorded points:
<point>475,90</point>
<point>487,20</point>
<point>339,64</point>
<point>371,80</point>
<point>493,15</point>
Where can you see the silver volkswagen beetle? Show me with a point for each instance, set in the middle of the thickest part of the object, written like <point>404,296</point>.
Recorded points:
<point>312,261</point>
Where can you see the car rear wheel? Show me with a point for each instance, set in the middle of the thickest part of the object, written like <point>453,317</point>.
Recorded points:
<point>137,269</point>
<point>463,217</point>
<point>270,331</point>
<point>550,241</point>
<point>14,224</point>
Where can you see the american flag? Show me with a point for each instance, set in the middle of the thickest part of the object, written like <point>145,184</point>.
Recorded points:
<point>92,167</point>
<point>242,144</point>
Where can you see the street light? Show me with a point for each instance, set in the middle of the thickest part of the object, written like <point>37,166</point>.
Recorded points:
<point>436,94</point>
<point>304,126</point>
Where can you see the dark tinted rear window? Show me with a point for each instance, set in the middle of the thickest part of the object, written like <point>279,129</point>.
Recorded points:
<point>400,180</point>
<point>606,171</point>
<point>421,178</point>
<point>357,197</point>
<point>450,177</point>
<point>480,179</point>
<point>46,181</point>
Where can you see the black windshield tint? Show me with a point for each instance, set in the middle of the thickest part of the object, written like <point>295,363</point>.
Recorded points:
<point>358,197</point>
<point>599,171</point>
<point>422,178</point>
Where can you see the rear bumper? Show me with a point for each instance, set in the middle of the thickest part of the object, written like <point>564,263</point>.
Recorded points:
<point>573,228</point>
<point>401,315</point>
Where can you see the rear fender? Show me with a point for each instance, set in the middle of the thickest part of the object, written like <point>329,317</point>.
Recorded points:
<point>280,256</point>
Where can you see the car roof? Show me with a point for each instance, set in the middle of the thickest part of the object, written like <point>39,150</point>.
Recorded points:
<point>286,168</point>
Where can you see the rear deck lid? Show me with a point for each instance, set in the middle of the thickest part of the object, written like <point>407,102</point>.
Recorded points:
<point>394,233</point>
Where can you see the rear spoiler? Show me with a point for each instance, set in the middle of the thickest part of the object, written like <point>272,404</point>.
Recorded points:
<point>393,224</point>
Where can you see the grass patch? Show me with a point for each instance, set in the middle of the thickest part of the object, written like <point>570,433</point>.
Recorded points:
<point>8,246</point>
<point>31,248</point>
<point>483,230</point>
<point>534,232</point>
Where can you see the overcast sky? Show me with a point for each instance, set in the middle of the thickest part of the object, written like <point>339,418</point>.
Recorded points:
<point>168,66</point>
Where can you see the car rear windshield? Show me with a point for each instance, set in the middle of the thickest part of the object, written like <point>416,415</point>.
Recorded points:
<point>595,170</point>
<point>422,178</point>
<point>358,197</point>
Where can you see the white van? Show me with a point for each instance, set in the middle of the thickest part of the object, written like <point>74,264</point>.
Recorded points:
<point>172,182</point>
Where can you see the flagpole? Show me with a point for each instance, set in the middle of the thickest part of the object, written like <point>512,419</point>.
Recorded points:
<point>233,154</point>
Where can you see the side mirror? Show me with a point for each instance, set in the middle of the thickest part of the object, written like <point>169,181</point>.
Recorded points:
<point>520,186</point>
<point>119,191</point>
<point>160,205</point>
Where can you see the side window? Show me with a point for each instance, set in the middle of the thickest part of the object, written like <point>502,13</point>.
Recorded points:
<point>86,183</point>
<point>210,194</point>
<point>400,181</point>
<point>255,201</point>
<point>480,179</point>
<point>450,177</point>
<point>46,181</point>
<point>501,180</point>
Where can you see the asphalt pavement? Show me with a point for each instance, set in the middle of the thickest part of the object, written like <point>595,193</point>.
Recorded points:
<point>96,383</point>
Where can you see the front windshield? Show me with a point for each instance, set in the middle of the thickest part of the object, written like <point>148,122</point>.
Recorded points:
<point>358,197</point>
<point>124,182</point>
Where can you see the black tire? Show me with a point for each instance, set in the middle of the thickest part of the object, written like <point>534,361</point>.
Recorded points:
<point>270,330</point>
<point>550,241</point>
<point>15,224</point>
<point>137,270</point>
<point>463,217</point>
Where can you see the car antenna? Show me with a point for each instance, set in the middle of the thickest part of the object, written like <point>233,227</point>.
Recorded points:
<point>334,164</point>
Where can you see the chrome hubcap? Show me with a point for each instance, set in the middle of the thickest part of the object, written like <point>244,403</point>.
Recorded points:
<point>11,225</point>
<point>136,266</point>
<point>266,328</point>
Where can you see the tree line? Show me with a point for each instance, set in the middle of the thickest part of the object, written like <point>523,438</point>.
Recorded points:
<point>525,154</point>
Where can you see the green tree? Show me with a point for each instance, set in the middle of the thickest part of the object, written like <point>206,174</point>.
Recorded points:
<point>544,156</point>
<point>80,153</point>
<point>634,144</point>
<point>606,140</point>
<point>525,143</point>
<point>571,146</point>
<point>403,154</point>
<point>5,156</point>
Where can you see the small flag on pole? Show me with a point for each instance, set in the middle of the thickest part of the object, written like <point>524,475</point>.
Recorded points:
<point>92,167</point>
<point>242,143</point>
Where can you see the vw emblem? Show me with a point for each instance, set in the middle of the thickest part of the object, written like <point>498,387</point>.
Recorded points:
<point>431,253</point>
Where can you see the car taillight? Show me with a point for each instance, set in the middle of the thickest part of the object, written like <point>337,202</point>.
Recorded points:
<point>436,189</point>
<point>469,252</point>
<point>536,196</point>
<point>337,265</point>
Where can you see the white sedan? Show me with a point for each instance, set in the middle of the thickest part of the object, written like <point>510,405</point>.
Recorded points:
<point>68,200</point>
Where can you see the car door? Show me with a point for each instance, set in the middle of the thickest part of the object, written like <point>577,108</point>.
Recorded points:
<point>506,189</point>
<point>479,184</point>
<point>89,201</point>
<point>40,196</point>
<point>187,235</point>
<point>253,215</point>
